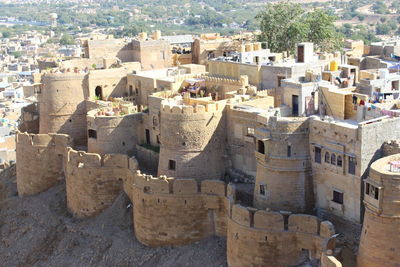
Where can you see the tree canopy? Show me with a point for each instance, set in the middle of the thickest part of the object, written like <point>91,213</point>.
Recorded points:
<point>284,24</point>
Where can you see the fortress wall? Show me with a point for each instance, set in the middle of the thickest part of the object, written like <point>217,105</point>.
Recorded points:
<point>380,235</point>
<point>193,137</point>
<point>114,134</point>
<point>285,175</point>
<point>379,241</point>
<point>40,161</point>
<point>178,212</point>
<point>29,119</point>
<point>61,105</point>
<point>93,181</point>
<point>260,238</point>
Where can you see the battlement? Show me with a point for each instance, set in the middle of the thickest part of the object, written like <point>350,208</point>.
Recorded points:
<point>40,161</point>
<point>83,159</point>
<point>61,140</point>
<point>195,109</point>
<point>67,76</point>
<point>260,237</point>
<point>172,186</point>
<point>275,221</point>
<point>242,81</point>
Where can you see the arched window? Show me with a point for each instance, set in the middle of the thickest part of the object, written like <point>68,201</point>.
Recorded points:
<point>333,159</point>
<point>339,161</point>
<point>327,158</point>
<point>98,91</point>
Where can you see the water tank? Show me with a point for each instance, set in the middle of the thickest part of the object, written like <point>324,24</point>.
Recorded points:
<point>143,35</point>
<point>157,35</point>
<point>333,65</point>
<point>249,47</point>
<point>383,73</point>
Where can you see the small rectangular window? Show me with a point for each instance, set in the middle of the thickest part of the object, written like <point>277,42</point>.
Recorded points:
<point>262,190</point>
<point>352,165</point>
<point>372,191</point>
<point>289,151</point>
<point>172,165</point>
<point>250,131</point>
<point>92,134</point>
<point>317,155</point>
<point>337,197</point>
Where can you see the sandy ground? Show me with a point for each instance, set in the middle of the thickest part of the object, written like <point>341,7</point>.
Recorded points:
<point>38,231</point>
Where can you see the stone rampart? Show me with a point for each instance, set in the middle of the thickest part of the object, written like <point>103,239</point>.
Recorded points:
<point>61,105</point>
<point>40,161</point>
<point>93,181</point>
<point>113,134</point>
<point>264,238</point>
<point>193,137</point>
<point>168,211</point>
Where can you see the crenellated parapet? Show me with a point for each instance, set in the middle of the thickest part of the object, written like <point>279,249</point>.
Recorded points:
<point>168,211</point>
<point>93,181</point>
<point>266,238</point>
<point>193,137</point>
<point>40,161</point>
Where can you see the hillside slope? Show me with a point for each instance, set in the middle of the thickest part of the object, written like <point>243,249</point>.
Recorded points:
<point>39,231</point>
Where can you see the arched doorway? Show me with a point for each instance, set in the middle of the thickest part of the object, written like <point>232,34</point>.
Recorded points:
<point>98,92</point>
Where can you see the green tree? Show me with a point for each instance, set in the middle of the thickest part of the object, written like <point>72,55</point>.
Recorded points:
<point>321,30</point>
<point>382,29</point>
<point>284,24</point>
<point>16,54</point>
<point>67,39</point>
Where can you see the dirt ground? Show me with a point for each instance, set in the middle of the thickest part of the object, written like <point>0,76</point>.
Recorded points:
<point>39,231</point>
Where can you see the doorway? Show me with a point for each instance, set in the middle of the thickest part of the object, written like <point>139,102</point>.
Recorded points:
<point>148,136</point>
<point>300,54</point>
<point>98,91</point>
<point>295,105</point>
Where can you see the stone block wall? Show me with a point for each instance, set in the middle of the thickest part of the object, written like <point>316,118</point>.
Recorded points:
<point>93,181</point>
<point>264,238</point>
<point>197,142</point>
<point>168,211</point>
<point>284,169</point>
<point>61,105</point>
<point>40,160</point>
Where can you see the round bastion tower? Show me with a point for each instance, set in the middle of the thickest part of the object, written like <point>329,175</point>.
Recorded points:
<point>283,180</point>
<point>192,141</point>
<point>380,236</point>
<point>62,107</point>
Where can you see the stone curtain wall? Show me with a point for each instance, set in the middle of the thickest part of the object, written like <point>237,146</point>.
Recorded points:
<point>169,211</point>
<point>40,161</point>
<point>93,181</point>
<point>178,212</point>
<point>264,238</point>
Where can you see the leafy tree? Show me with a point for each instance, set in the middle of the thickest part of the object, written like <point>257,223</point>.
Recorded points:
<point>284,24</point>
<point>6,34</point>
<point>382,29</point>
<point>16,54</point>
<point>379,7</point>
<point>67,39</point>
